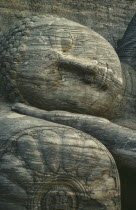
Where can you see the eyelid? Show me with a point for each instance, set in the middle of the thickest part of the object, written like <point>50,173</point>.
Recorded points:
<point>64,40</point>
<point>66,44</point>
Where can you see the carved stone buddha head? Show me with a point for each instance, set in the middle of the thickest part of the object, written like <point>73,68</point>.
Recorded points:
<point>53,63</point>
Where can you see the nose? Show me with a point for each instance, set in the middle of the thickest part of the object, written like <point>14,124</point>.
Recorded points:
<point>91,70</point>
<point>78,64</point>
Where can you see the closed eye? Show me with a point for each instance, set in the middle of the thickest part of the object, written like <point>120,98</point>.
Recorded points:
<point>64,40</point>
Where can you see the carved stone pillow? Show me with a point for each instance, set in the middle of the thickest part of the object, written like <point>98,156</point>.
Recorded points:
<point>44,165</point>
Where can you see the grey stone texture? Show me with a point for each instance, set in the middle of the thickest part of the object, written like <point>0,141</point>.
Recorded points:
<point>44,165</point>
<point>108,18</point>
<point>126,48</point>
<point>55,64</point>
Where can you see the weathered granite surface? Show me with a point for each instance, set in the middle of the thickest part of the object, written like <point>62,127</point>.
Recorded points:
<point>47,61</point>
<point>126,48</point>
<point>108,18</point>
<point>52,63</point>
<point>44,165</point>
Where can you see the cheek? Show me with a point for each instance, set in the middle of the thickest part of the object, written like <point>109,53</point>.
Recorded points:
<point>65,94</point>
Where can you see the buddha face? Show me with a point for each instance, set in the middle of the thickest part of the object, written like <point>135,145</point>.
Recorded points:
<point>66,66</point>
